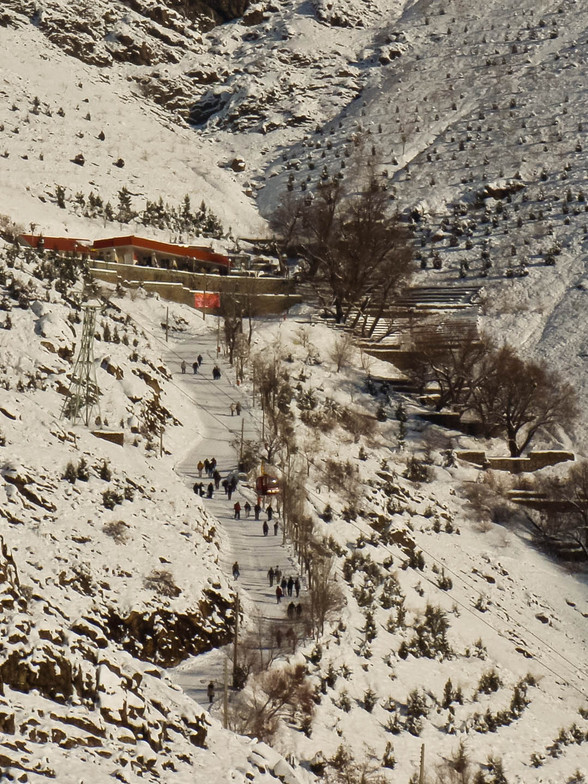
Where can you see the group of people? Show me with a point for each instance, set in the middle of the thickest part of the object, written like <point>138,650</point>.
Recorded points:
<point>216,372</point>
<point>208,466</point>
<point>236,408</point>
<point>287,586</point>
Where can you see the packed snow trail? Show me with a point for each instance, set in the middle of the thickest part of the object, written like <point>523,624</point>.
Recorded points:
<point>255,553</point>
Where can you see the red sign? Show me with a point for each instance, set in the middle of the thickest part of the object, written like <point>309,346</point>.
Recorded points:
<point>208,300</point>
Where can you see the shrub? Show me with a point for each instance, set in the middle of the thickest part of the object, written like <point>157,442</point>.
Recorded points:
<point>105,472</point>
<point>117,529</point>
<point>489,682</point>
<point>370,700</point>
<point>70,473</point>
<point>162,582</point>
<point>417,471</point>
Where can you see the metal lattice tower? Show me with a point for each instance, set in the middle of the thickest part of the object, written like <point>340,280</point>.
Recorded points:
<point>81,403</point>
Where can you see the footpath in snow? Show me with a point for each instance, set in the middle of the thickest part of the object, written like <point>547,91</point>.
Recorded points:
<point>242,540</point>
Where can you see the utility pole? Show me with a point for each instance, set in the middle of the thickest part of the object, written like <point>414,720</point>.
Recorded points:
<point>226,696</point>
<point>81,401</point>
<point>204,299</point>
<point>166,324</point>
<point>236,640</point>
<point>422,770</point>
<point>241,446</point>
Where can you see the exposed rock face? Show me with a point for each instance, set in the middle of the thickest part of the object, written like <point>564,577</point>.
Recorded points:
<point>110,696</point>
<point>103,33</point>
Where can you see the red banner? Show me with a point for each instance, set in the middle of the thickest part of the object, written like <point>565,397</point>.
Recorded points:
<point>209,300</point>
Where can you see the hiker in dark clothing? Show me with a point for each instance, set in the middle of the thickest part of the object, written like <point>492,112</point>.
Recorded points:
<point>270,512</point>
<point>284,584</point>
<point>195,367</point>
<point>216,374</point>
<point>238,408</point>
<point>236,571</point>
<point>225,485</point>
<point>290,586</point>
<point>212,465</point>
<point>210,692</point>
<point>291,610</point>
<point>276,526</point>
<point>256,511</point>
<point>297,586</point>
<point>278,573</point>
<point>196,488</point>
<point>217,477</point>
<point>199,359</point>
<point>247,508</point>
<point>183,366</point>
<point>298,610</point>
<point>210,490</point>
<point>265,529</point>
<point>279,594</point>
<point>201,486</point>
<point>229,491</point>
<point>207,466</point>
<point>237,508</point>
<point>270,577</point>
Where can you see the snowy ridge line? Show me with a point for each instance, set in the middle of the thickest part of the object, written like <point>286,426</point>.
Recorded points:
<point>520,626</point>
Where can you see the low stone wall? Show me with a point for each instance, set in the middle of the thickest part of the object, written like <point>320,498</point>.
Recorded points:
<point>534,461</point>
<point>268,295</point>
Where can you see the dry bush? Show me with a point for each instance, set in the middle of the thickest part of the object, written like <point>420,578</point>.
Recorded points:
<point>275,695</point>
<point>357,424</point>
<point>325,595</point>
<point>162,582</point>
<point>117,530</point>
<point>342,352</point>
<point>319,419</point>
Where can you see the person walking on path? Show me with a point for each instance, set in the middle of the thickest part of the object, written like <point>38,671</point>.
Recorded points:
<point>200,466</point>
<point>225,484</point>
<point>183,366</point>
<point>276,526</point>
<point>291,610</point>
<point>256,511</point>
<point>232,409</point>
<point>290,586</point>
<point>196,488</point>
<point>236,571</point>
<point>270,576</point>
<point>195,367</point>
<point>216,374</point>
<point>278,573</point>
<point>212,465</point>
<point>206,466</point>
<point>238,408</point>
<point>247,508</point>
<point>265,528</point>
<point>284,584</point>
<point>237,508</point>
<point>270,512</point>
<point>210,692</point>
<point>210,490</point>
<point>279,594</point>
<point>229,490</point>
<point>217,477</point>
<point>297,586</point>
<point>298,610</point>
<point>199,359</point>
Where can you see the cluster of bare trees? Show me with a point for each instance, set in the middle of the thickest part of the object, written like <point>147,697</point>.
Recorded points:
<point>564,518</point>
<point>510,396</point>
<point>351,246</point>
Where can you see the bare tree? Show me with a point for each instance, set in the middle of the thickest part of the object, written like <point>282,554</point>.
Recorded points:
<point>519,398</point>
<point>350,244</point>
<point>326,597</point>
<point>566,517</point>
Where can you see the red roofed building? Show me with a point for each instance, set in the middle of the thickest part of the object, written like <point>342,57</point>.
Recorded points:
<point>152,253</point>
<point>59,244</point>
